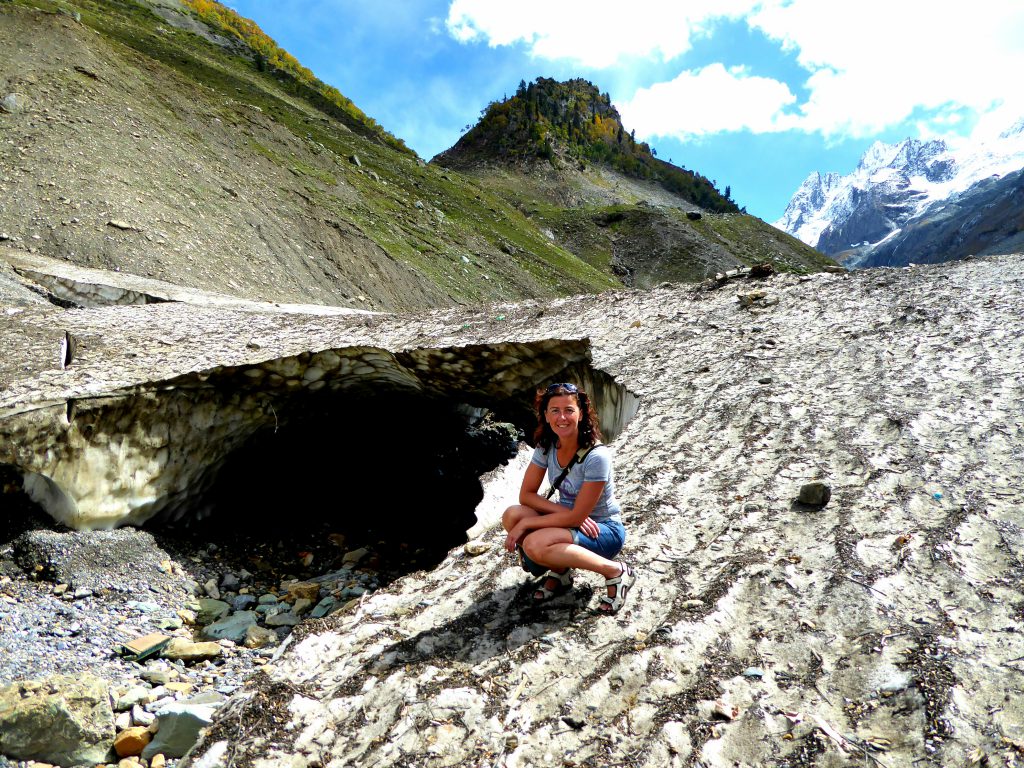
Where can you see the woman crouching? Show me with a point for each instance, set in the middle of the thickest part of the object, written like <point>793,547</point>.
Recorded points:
<point>583,529</point>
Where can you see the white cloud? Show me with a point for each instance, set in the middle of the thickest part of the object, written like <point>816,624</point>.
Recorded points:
<point>594,33</point>
<point>875,63</point>
<point>707,101</point>
<point>870,65</point>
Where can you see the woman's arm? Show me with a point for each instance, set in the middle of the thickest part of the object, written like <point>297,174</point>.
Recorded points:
<point>559,516</point>
<point>528,495</point>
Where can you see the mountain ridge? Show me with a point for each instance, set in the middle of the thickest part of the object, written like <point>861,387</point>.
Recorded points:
<point>558,152</point>
<point>865,217</point>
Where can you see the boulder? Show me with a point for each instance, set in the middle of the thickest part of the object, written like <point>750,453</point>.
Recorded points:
<point>231,627</point>
<point>179,726</point>
<point>211,610</point>
<point>183,649</point>
<point>61,720</point>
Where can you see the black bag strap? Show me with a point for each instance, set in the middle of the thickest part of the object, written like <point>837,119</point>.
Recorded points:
<point>577,457</point>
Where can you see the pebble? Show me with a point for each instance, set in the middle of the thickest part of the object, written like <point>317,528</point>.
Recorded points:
<point>141,717</point>
<point>474,548</point>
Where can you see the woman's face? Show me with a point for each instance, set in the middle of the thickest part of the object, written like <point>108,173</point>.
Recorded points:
<point>563,415</point>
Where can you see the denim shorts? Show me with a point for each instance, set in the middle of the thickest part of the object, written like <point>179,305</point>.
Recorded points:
<point>609,541</point>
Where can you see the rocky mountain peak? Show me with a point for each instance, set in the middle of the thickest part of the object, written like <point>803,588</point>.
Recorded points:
<point>895,187</point>
<point>1014,131</point>
<point>570,124</point>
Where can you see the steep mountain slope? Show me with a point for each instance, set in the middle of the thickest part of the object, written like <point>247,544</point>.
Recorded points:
<point>131,142</point>
<point>986,219</point>
<point>913,202</point>
<point>559,153</point>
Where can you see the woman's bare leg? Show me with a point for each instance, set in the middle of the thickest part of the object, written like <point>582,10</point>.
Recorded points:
<point>553,548</point>
<point>515,513</point>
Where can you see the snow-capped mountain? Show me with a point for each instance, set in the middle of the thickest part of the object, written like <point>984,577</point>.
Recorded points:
<point>853,217</point>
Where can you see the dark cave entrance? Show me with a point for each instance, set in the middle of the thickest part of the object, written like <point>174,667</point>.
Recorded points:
<point>369,464</point>
<point>397,471</point>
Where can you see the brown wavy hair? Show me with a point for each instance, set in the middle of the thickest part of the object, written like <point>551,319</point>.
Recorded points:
<point>589,429</point>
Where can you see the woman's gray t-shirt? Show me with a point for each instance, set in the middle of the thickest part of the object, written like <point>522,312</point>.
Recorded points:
<point>597,467</point>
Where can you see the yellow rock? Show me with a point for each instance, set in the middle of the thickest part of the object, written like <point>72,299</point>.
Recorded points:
<point>131,741</point>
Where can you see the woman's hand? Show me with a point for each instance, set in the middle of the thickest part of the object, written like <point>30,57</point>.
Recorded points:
<point>514,537</point>
<point>589,528</point>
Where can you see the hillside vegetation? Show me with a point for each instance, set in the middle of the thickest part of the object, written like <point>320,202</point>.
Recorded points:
<point>559,153</point>
<point>573,118</point>
<point>173,139</point>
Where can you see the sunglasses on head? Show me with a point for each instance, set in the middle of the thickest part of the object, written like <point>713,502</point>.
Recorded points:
<point>570,388</point>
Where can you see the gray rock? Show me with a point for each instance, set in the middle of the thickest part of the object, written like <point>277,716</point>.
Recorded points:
<point>286,619</point>
<point>816,494</point>
<point>143,606</point>
<point>243,602</point>
<point>211,610</point>
<point>158,676</point>
<point>324,607</point>
<point>141,717</point>
<point>62,720</point>
<point>138,694</point>
<point>230,582</point>
<point>12,103</point>
<point>231,627</point>
<point>168,623</point>
<point>210,587</point>
<point>179,726</point>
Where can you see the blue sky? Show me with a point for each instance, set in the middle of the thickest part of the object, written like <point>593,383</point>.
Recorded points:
<point>755,94</point>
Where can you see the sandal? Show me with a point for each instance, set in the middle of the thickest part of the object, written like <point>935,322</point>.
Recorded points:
<point>563,583</point>
<point>623,584</point>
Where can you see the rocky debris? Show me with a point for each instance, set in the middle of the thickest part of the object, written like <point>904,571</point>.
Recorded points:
<point>127,560</point>
<point>48,629</point>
